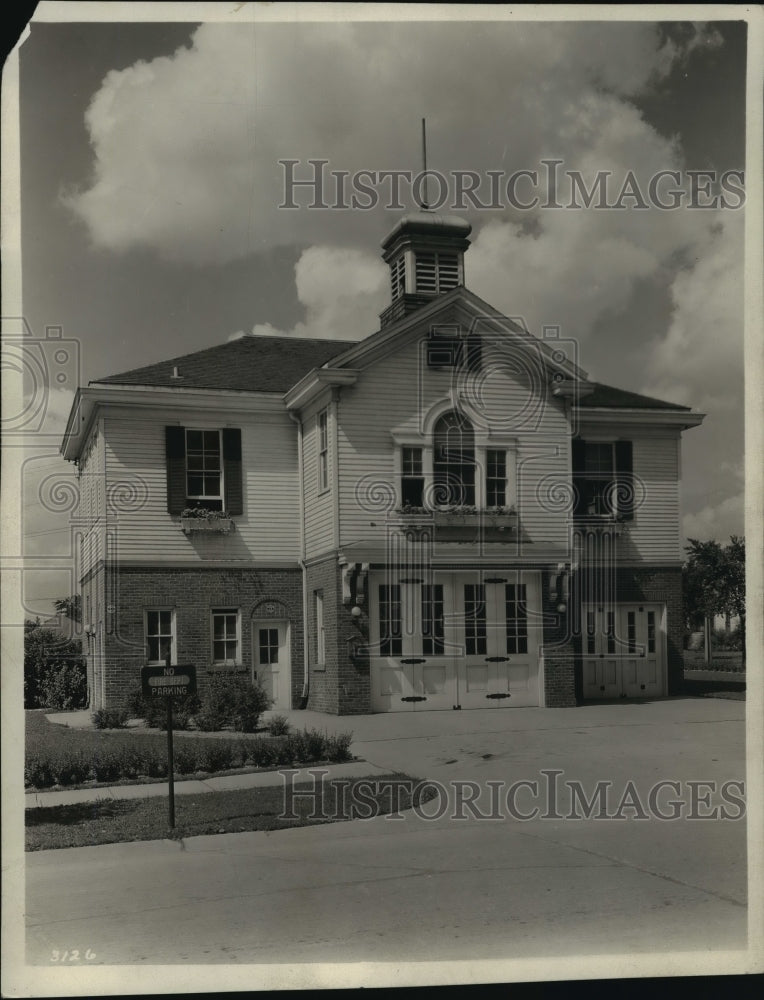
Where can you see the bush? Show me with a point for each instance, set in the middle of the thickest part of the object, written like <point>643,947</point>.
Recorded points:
<point>338,747</point>
<point>153,711</point>
<point>278,725</point>
<point>109,718</point>
<point>231,699</point>
<point>64,685</point>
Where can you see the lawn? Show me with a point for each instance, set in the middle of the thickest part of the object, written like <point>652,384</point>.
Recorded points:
<point>120,820</point>
<point>57,756</point>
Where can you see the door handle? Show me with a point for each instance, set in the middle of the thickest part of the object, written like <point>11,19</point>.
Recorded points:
<point>414,659</point>
<point>499,694</point>
<point>497,659</point>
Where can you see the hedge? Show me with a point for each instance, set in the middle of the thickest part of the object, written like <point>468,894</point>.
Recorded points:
<point>47,766</point>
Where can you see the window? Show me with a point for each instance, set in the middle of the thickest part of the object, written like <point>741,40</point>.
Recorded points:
<point>204,471</point>
<point>225,636</point>
<point>650,631</point>
<point>495,478</point>
<point>320,629</point>
<point>631,631</point>
<point>436,272</point>
<point>432,620</point>
<point>454,461</point>
<point>323,451</point>
<point>475,619</point>
<point>398,277</point>
<point>412,477</point>
<point>160,635</point>
<point>603,478</point>
<point>268,646</point>
<point>390,637</point>
<point>517,618</point>
<point>450,347</point>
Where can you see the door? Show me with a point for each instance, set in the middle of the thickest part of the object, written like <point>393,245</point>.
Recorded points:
<point>412,668</point>
<point>270,654</point>
<point>456,640</point>
<point>624,651</point>
<point>497,631</point>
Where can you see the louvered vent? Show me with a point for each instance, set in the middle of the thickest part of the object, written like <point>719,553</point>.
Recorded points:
<point>397,277</point>
<point>436,272</point>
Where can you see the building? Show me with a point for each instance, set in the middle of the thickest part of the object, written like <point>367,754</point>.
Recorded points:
<point>447,514</point>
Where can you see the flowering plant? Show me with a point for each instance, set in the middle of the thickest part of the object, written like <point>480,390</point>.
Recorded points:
<point>204,512</point>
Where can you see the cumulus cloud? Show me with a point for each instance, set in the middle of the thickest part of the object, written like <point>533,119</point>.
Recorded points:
<point>342,291</point>
<point>716,521</point>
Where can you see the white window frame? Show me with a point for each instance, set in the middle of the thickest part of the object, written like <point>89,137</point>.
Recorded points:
<point>322,449</point>
<point>173,634</point>
<point>225,663</point>
<point>318,600</point>
<point>201,498</point>
<point>482,446</point>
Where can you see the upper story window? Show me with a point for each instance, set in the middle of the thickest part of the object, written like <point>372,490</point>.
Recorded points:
<point>454,460</point>
<point>323,450</point>
<point>412,477</point>
<point>204,465</point>
<point>603,478</point>
<point>450,346</point>
<point>495,477</point>
<point>204,469</point>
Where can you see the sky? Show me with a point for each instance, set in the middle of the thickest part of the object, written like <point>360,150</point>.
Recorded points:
<point>151,185</point>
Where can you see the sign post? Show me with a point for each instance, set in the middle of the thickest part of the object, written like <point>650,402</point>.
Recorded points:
<point>169,682</point>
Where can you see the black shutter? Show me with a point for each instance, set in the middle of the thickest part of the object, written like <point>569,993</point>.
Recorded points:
<point>175,452</point>
<point>234,494</point>
<point>624,475</point>
<point>578,456</point>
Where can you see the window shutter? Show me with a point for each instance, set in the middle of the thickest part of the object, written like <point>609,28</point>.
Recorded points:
<point>624,475</point>
<point>175,452</point>
<point>234,493</point>
<point>578,456</point>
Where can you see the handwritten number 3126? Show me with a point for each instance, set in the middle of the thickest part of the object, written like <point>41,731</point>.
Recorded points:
<point>71,956</point>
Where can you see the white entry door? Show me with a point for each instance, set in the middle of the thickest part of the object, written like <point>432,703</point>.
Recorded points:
<point>457,640</point>
<point>270,654</point>
<point>624,651</point>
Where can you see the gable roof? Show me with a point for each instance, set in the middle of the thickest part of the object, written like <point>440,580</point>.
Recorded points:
<point>608,397</point>
<point>249,364</point>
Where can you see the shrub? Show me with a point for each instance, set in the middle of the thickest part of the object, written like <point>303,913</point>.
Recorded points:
<point>64,685</point>
<point>278,725</point>
<point>231,699</point>
<point>153,711</point>
<point>109,718</point>
<point>338,747</point>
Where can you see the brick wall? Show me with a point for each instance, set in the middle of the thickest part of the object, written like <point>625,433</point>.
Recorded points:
<point>559,653</point>
<point>341,687</point>
<point>193,593</point>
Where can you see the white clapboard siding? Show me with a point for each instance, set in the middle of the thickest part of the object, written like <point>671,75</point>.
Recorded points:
<point>653,535</point>
<point>319,506</point>
<point>268,530</point>
<point>89,521</point>
<point>396,392</point>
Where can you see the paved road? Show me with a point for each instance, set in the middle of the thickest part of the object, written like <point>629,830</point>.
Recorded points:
<point>419,889</point>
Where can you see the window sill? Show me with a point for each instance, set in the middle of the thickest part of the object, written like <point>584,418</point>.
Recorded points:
<point>211,525</point>
<point>221,668</point>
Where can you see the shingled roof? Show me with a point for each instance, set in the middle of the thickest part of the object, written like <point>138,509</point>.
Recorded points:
<point>607,396</point>
<point>249,364</point>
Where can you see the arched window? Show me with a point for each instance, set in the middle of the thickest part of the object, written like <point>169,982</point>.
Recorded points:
<point>454,461</point>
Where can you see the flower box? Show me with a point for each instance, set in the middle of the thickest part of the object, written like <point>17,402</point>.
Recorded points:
<point>214,525</point>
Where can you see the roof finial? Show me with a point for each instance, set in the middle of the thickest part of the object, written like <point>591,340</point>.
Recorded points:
<point>425,201</point>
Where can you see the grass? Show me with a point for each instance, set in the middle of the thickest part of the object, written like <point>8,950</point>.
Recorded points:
<point>121,820</point>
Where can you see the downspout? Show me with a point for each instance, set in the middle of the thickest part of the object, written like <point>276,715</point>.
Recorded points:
<point>305,639</point>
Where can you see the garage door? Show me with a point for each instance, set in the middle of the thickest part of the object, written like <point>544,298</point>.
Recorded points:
<point>456,640</point>
<point>624,651</point>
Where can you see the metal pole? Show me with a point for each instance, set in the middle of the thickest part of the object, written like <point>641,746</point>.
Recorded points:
<point>170,775</point>
<point>426,199</point>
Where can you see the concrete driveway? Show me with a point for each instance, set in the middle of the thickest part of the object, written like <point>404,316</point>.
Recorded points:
<point>477,882</point>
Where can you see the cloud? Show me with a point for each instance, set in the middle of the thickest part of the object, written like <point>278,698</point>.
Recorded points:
<point>186,147</point>
<point>342,292</point>
<point>718,521</point>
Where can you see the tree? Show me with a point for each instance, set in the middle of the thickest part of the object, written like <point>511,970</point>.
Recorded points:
<point>713,581</point>
<point>54,671</point>
<point>69,606</point>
